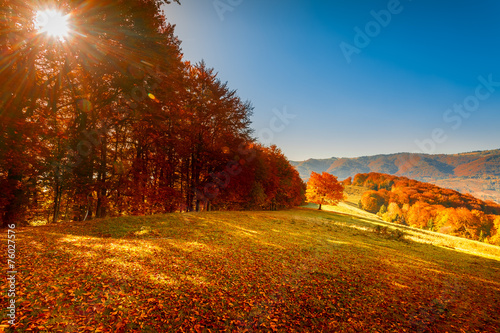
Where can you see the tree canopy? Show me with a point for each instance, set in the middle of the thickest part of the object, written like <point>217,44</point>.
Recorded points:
<point>324,189</point>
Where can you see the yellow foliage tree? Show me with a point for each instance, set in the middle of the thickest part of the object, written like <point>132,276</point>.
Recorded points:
<point>495,232</point>
<point>324,189</point>
<point>393,214</point>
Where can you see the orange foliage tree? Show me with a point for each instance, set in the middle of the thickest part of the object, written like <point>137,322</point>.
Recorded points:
<point>324,189</point>
<point>347,181</point>
<point>371,201</point>
<point>420,215</point>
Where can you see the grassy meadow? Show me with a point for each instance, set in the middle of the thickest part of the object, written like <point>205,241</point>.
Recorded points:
<point>300,270</point>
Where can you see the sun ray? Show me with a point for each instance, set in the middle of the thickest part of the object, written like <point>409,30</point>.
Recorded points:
<point>53,23</point>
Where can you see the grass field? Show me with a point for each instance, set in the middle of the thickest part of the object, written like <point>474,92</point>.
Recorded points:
<point>300,270</point>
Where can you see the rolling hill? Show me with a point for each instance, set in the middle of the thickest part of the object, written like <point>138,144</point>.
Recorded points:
<point>300,270</point>
<point>477,173</point>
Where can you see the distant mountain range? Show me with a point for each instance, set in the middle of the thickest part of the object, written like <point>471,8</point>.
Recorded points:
<point>477,173</point>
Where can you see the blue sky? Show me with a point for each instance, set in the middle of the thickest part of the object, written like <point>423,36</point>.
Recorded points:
<point>395,94</point>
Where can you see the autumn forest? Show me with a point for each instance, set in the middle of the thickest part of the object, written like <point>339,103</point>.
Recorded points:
<point>422,205</point>
<point>113,121</point>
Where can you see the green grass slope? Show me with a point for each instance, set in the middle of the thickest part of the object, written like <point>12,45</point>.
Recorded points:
<point>300,270</point>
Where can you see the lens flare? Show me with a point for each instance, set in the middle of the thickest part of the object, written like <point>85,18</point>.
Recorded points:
<point>53,23</point>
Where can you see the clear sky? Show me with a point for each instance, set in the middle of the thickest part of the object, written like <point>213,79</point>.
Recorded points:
<point>359,77</point>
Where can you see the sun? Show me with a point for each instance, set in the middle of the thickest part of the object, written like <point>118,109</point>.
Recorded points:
<point>53,23</point>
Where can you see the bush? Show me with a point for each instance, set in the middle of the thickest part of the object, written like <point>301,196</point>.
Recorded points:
<point>395,234</point>
<point>380,230</point>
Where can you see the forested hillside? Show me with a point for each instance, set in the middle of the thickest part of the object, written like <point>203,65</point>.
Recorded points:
<point>477,173</point>
<point>423,205</point>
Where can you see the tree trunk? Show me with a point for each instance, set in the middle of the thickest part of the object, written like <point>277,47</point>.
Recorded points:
<point>12,209</point>
<point>66,211</point>
<point>102,192</point>
<point>57,203</point>
<point>319,208</point>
